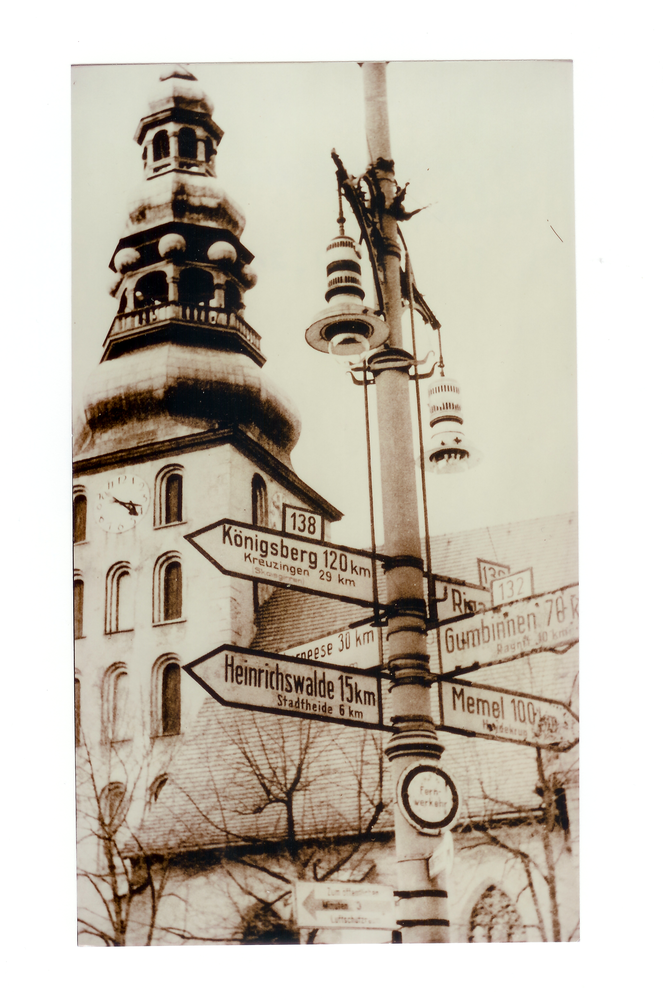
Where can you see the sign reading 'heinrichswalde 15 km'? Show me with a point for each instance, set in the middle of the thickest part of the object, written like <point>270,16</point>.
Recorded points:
<point>285,685</point>
<point>281,560</point>
<point>510,631</point>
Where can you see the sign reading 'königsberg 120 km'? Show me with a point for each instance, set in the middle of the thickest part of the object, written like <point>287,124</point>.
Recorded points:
<point>285,685</point>
<point>272,557</point>
<point>512,630</point>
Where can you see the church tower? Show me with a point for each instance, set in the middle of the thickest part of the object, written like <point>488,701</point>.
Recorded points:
<point>180,428</point>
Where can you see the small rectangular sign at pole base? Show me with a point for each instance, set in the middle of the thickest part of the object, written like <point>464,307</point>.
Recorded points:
<point>345,905</point>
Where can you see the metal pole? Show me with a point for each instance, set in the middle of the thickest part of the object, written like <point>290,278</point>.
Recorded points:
<point>423,907</point>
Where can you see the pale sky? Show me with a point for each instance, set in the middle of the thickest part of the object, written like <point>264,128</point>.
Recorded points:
<point>488,146</point>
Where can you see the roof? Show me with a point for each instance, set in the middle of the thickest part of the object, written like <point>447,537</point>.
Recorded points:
<point>213,796</point>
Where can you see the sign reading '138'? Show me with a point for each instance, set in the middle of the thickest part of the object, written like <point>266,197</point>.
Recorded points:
<point>272,557</point>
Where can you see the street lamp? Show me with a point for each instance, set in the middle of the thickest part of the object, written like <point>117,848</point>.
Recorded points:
<point>427,801</point>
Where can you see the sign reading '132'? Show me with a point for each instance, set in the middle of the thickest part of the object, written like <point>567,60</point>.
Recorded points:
<point>512,630</point>
<point>284,685</point>
<point>272,557</point>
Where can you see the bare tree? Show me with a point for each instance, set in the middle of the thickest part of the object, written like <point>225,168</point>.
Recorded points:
<point>540,854</point>
<point>299,803</point>
<point>112,862</point>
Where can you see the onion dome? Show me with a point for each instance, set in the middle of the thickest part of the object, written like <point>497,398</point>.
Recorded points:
<point>173,390</point>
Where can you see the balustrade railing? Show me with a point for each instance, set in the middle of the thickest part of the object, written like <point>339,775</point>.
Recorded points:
<point>208,316</point>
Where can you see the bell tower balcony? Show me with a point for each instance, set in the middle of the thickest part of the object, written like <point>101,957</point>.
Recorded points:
<point>182,323</point>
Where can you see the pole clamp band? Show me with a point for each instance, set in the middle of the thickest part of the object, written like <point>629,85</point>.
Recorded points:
<point>394,562</point>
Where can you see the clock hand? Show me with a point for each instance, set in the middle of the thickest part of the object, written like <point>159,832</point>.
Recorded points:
<point>130,506</point>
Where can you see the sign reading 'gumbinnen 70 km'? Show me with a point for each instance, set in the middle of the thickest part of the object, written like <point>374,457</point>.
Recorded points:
<point>285,685</point>
<point>533,625</point>
<point>272,557</point>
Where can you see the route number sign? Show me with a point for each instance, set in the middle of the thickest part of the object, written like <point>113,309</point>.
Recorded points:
<point>513,587</point>
<point>489,571</point>
<point>302,523</point>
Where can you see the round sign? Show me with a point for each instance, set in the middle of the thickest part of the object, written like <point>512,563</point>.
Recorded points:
<point>428,798</point>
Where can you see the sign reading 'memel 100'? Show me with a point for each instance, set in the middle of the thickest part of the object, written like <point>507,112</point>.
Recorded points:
<point>273,557</point>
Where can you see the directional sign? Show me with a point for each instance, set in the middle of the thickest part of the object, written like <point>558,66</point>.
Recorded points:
<point>456,597</point>
<point>511,716</point>
<point>272,682</point>
<point>352,647</point>
<point>513,630</point>
<point>275,558</point>
<point>345,904</point>
<point>513,587</point>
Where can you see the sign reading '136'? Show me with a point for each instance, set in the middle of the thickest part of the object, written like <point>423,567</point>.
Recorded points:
<point>511,630</point>
<point>272,557</point>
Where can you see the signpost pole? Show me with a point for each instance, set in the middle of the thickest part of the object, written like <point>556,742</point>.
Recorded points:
<point>423,910</point>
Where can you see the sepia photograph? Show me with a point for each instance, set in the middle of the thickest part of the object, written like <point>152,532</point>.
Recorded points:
<point>325,503</point>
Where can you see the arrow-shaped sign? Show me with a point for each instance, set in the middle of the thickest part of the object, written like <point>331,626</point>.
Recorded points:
<point>272,557</point>
<point>545,621</point>
<point>286,685</point>
<point>345,904</point>
<point>512,716</point>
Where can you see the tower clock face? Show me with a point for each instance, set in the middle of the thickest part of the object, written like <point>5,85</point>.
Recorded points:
<point>121,502</point>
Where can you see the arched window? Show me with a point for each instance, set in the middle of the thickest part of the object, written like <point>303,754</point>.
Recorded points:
<point>116,704</point>
<point>173,498</point>
<point>110,805</point>
<point>161,146</point>
<point>195,287</point>
<point>123,302</point>
<point>168,588</point>
<point>172,591</point>
<point>80,516</point>
<point>232,298</point>
<point>259,507</point>
<point>151,290</point>
<point>79,590</point>
<point>170,700</point>
<point>119,604</point>
<point>187,144</point>
<point>495,919</point>
<point>156,788</point>
<point>168,496</point>
<point>209,149</point>
<point>260,517</point>
<point>77,711</point>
